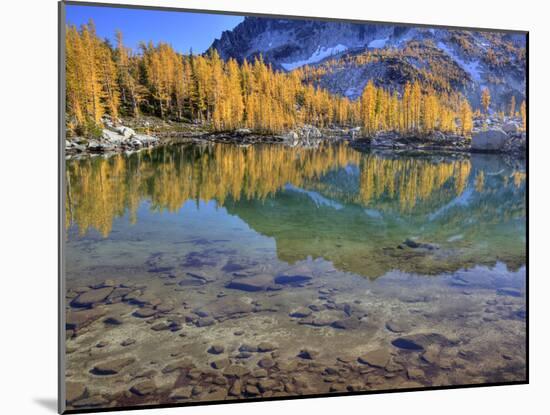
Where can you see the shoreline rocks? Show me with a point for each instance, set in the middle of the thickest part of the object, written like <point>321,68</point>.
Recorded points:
<point>113,139</point>
<point>489,135</point>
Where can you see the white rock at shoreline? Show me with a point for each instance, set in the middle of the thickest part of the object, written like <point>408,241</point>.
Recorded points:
<point>243,131</point>
<point>126,132</point>
<point>112,136</point>
<point>146,139</point>
<point>438,136</point>
<point>493,139</point>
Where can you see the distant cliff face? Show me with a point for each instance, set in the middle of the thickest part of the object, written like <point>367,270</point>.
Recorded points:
<point>289,43</point>
<point>464,60</point>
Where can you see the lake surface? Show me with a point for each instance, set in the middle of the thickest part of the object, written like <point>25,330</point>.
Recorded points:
<point>210,272</point>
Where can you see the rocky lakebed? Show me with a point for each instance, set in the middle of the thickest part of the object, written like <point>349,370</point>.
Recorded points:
<point>247,331</point>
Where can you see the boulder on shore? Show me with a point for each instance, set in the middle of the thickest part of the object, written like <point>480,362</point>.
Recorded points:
<point>490,140</point>
<point>112,136</point>
<point>510,127</point>
<point>242,132</point>
<point>437,136</point>
<point>291,136</point>
<point>126,132</point>
<point>306,135</point>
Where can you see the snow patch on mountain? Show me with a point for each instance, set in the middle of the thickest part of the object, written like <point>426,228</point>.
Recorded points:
<point>352,92</point>
<point>471,68</point>
<point>320,53</point>
<point>378,43</point>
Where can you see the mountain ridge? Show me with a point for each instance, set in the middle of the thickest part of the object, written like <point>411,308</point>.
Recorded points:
<point>471,60</point>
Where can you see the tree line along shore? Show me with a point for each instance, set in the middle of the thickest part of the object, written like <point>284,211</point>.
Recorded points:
<point>225,95</point>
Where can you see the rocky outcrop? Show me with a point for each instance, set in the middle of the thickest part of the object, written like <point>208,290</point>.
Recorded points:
<point>305,136</point>
<point>511,127</point>
<point>287,44</point>
<point>489,135</point>
<point>516,145</point>
<point>434,141</point>
<point>113,138</point>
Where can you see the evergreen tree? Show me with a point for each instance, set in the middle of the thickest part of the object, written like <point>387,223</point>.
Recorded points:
<point>485,100</point>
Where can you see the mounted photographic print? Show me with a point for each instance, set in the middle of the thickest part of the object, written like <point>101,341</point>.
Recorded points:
<point>259,207</point>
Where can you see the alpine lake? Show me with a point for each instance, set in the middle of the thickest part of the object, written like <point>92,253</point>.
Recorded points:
<point>209,272</point>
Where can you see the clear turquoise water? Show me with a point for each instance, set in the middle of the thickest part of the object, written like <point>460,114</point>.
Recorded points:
<point>219,210</point>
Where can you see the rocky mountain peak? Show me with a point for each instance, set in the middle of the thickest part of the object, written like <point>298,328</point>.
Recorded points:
<point>463,60</point>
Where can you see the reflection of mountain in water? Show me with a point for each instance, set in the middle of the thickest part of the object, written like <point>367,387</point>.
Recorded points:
<point>479,225</point>
<point>351,208</point>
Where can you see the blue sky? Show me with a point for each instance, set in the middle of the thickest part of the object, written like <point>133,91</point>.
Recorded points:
<point>181,29</point>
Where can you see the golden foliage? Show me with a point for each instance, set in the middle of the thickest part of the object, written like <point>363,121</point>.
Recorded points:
<point>100,190</point>
<point>485,99</point>
<point>227,95</point>
<point>91,83</point>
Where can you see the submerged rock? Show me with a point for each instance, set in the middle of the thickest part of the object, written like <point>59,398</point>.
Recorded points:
<point>76,320</point>
<point>261,282</point>
<point>92,297</point>
<point>308,354</point>
<point>205,322</point>
<point>146,387</point>
<point>112,367</point>
<point>415,373</point>
<point>266,363</point>
<point>75,391</point>
<point>160,326</point>
<point>220,364</point>
<point>182,393</point>
<point>248,348</point>
<point>113,320</point>
<point>251,390</point>
<point>145,312</point>
<point>397,326</point>
<point>420,342</point>
<point>346,324</point>
<point>300,312</point>
<point>292,279</point>
<point>295,276</point>
<point>90,402</point>
<point>216,349</point>
<point>265,347</point>
<point>224,307</point>
<point>236,388</point>
<point>178,365</point>
<point>376,358</point>
<point>236,371</point>
<point>127,342</point>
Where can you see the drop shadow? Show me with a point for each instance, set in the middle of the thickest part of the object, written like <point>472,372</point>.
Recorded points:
<point>48,403</point>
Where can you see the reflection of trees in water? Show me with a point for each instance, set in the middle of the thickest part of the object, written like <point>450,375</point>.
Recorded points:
<point>99,190</point>
<point>472,227</point>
